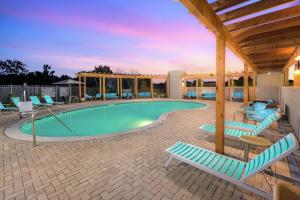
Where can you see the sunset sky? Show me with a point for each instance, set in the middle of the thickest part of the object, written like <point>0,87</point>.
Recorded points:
<point>72,35</point>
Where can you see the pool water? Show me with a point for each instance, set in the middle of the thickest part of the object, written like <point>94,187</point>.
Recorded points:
<point>106,119</point>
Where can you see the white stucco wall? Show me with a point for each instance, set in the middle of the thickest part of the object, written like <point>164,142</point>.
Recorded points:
<point>268,85</point>
<point>290,96</point>
<point>176,88</point>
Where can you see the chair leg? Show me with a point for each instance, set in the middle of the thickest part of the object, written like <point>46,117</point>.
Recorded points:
<point>168,162</point>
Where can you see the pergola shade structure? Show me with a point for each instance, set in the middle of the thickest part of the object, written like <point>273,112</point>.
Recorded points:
<point>264,34</point>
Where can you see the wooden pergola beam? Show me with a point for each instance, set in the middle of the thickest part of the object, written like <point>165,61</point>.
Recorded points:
<point>243,34</point>
<point>220,5</point>
<point>266,18</point>
<point>251,8</point>
<point>270,37</point>
<point>291,61</point>
<point>204,13</point>
<point>273,45</point>
<point>273,53</point>
<point>274,63</point>
<point>271,59</point>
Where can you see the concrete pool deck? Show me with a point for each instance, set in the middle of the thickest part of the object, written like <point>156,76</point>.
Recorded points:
<point>128,166</point>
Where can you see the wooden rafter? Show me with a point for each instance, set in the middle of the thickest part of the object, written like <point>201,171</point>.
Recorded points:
<point>273,45</point>
<point>220,5</point>
<point>271,59</point>
<point>266,18</point>
<point>291,61</point>
<point>270,37</point>
<point>252,8</point>
<point>241,35</point>
<point>204,13</point>
<point>275,52</point>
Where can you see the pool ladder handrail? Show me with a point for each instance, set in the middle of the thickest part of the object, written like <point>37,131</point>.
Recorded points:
<point>33,123</point>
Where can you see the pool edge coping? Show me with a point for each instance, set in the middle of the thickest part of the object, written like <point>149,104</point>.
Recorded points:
<point>12,130</point>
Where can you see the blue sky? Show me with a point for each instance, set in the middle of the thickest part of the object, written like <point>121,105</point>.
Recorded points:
<point>72,35</point>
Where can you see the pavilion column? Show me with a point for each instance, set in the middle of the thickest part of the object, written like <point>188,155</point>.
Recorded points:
<point>118,86</point>
<point>151,87</point>
<point>220,93</point>
<point>168,86</point>
<point>297,68</point>
<point>79,92</point>
<point>254,88</point>
<point>246,85</point>
<point>100,86</point>
<point>197,82</point>
<point>121,88</point>
<point>286,77</point>
<point>136,87</point>
<point>84,86</point>
<point>104,88</point>
<point>229,88</point>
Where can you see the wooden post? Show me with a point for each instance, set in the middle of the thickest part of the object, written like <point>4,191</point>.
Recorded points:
<point>136,87</point>
<point>246,85</point>
<point>100,86</point>
<point>197,81</point>
<point>220,92</point>
<point>84,86</point>
<point>104,88</point>
<point>286,77</point>
<point>121,88</point>
<point>151,88</point>
<point>168,86</point>
<point>254,88</point>
<point>229,88</point>
<point>79,92</point>
<point>118,86</point>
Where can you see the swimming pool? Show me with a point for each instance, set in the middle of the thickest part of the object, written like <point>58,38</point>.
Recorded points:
<point>106,119</point>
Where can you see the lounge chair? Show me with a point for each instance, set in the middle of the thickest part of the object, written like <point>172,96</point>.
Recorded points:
<point>50,101</point>
<point>98,96</point>
<point>4,108</point>
<point>230,169</point>
<point>208,96</point>
<point>238,96</point>
<point>111,95</point>
<point>235,133</point>
<point>15,101</point>
<point>252,127</point>
<point>127,95</point>
<point>144,94</point>
<point>36,102</point>
<point>191,94</point>
<point>88,97</point>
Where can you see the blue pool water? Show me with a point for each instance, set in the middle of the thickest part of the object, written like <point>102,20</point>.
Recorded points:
<point>106,119</point>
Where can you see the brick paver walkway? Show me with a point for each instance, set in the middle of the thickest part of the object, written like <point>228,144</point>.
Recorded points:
<point>124,167</point>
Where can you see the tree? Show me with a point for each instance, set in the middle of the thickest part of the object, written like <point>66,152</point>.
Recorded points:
<point>102,69</point>
<point>12,67</point>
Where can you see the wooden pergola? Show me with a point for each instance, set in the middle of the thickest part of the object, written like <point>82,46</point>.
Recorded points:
<point>262,42</point>
<point>230,79</point>
<point>102,79</point>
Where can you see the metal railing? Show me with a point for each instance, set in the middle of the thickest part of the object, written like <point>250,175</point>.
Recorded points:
<point>33,123</point>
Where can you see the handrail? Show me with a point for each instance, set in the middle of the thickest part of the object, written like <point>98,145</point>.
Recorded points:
<point>33,123</point>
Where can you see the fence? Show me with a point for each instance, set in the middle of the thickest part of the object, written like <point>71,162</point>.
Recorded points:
<point>59,93</point>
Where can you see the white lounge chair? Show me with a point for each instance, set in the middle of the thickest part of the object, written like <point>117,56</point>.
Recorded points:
<point>231,169</point>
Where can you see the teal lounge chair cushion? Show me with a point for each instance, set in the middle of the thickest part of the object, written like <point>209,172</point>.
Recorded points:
<point>4,108</point>
<point>258,106</point>
<point>227,167</point>
<point>215,162</point>
<point>269,155</point>
<point>240,125</point>
<point>15,100</point>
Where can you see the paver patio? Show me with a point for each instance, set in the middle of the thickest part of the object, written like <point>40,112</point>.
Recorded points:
<point>123,167</point>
